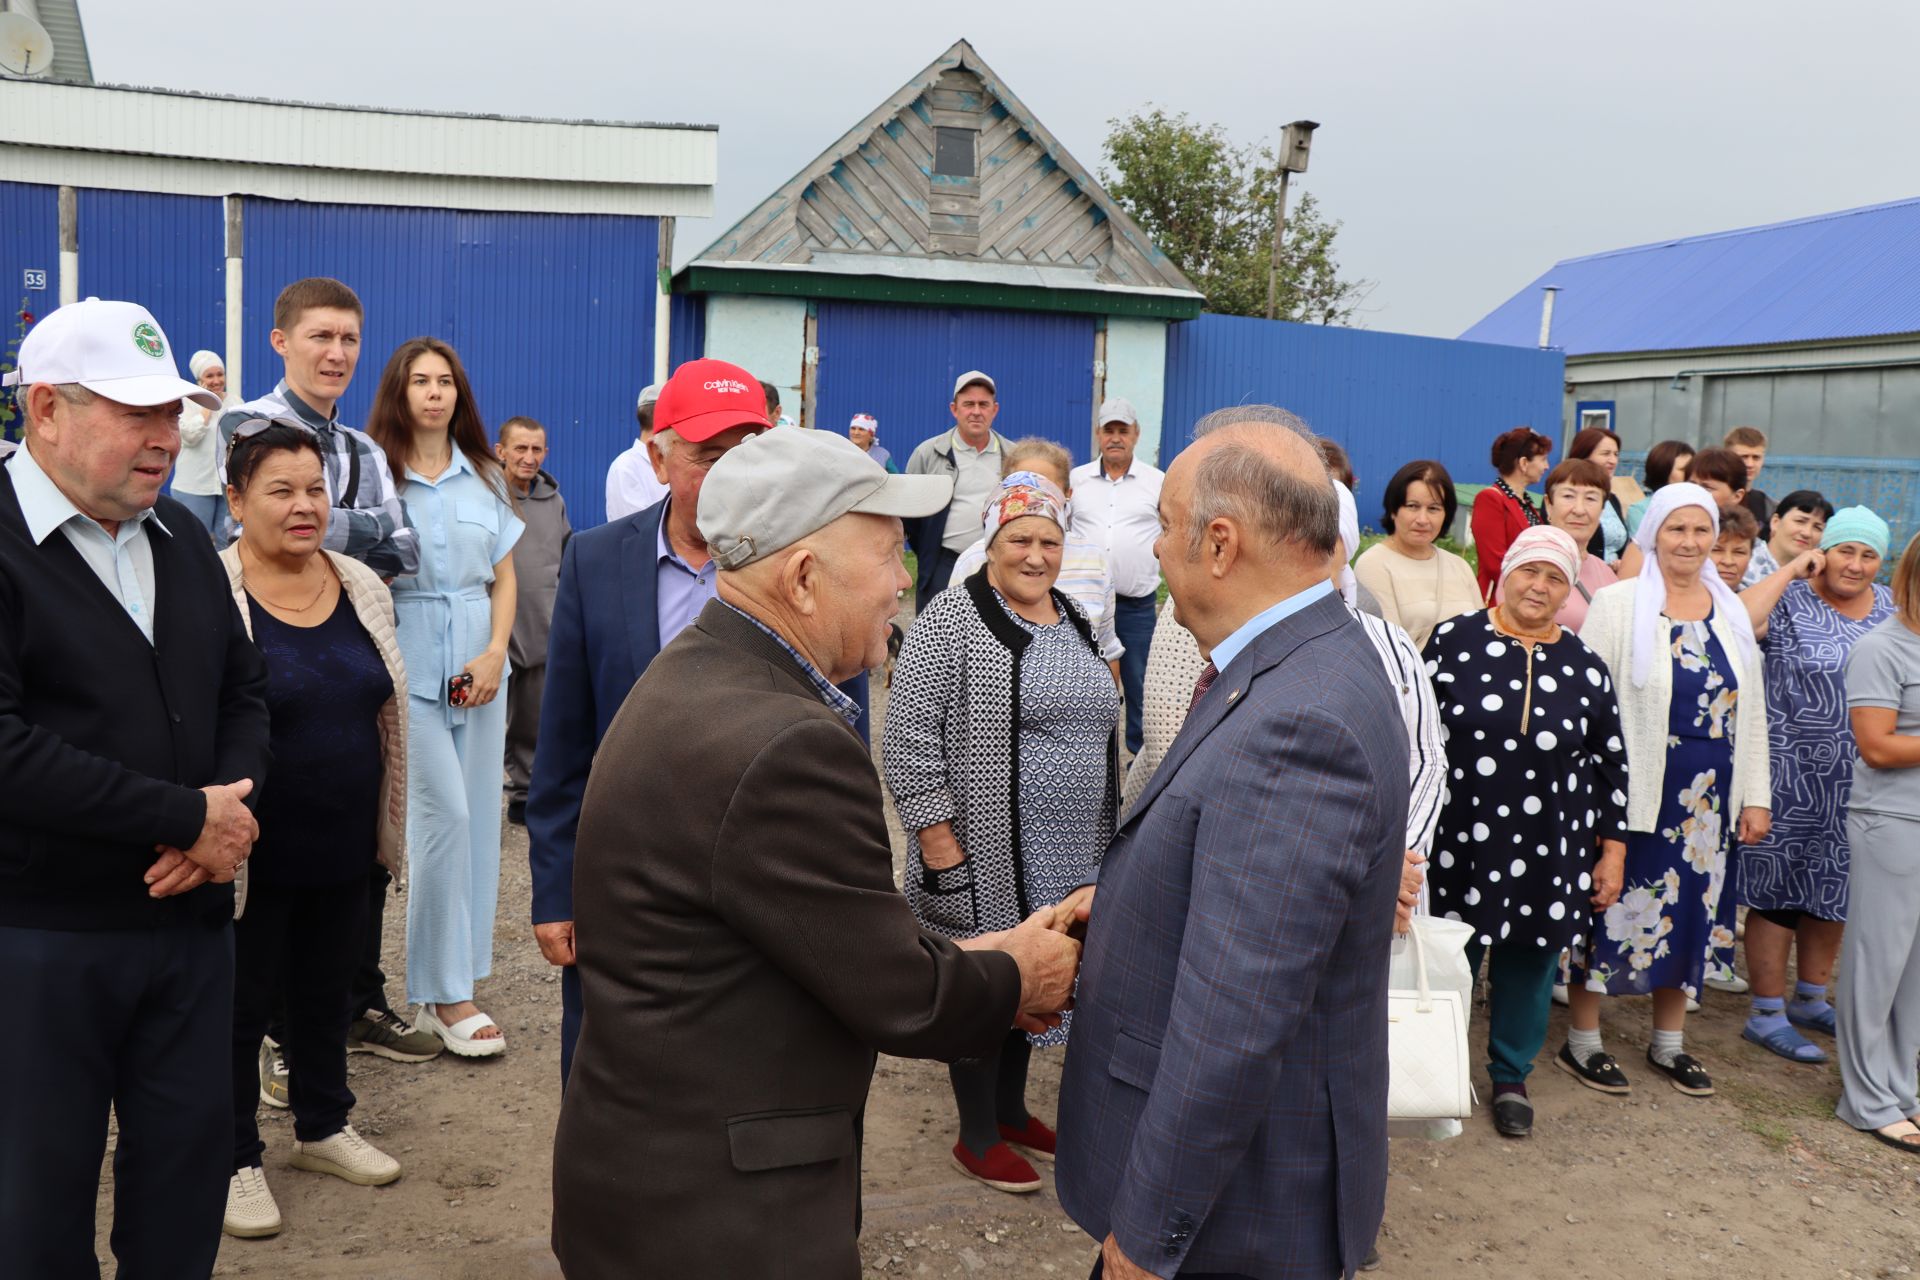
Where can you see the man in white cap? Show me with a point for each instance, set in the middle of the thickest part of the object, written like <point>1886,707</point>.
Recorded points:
<point>633,484</point>
<point>743,949</point>
<point>1116,507</point>
<point>969,454</point>
<point>133,726</point>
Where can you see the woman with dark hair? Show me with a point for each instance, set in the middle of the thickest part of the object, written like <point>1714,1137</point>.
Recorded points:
<point>1419,586</point>
<point>1337,461</point>
<point>1576,495</point>
<point>1666,464</point>
<point>1502,511</point>
<point>1795,528</point>
<point>1602,447</point>
<point>455,619</point>
<point>333,801</point>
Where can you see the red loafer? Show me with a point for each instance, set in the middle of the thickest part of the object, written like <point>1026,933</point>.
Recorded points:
<point>1032,1137</point>
<point>1000,1168</point>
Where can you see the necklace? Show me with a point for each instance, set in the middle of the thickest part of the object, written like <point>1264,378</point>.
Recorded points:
<point>263,598</point>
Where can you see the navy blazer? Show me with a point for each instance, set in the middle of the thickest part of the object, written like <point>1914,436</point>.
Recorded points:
<point>1224,1100</point>
<point>602,639</point>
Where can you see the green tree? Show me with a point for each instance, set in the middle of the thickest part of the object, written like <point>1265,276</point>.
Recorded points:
<point>1208,203</point>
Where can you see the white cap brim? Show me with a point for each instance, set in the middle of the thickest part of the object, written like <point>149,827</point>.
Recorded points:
<point>908,497</point>
<point>152,389</point>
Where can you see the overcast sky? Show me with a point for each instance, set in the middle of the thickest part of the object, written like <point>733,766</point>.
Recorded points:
<point>1466,146</point>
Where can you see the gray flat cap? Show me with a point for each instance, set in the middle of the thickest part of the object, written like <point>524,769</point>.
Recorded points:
<point>776,488</point>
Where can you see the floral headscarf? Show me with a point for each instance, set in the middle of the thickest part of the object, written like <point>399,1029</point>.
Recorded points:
<point>1024,493</point>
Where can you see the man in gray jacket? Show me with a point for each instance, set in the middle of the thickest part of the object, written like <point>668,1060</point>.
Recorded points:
<point>536,560</point>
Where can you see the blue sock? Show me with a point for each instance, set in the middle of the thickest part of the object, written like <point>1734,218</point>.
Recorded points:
<point>1769,1013</point>
<point>1810,998</point>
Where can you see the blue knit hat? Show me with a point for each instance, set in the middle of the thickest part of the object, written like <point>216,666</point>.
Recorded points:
<point>1857,524</point>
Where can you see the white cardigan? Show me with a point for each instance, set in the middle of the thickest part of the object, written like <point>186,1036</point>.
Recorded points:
<point>1645,712</point>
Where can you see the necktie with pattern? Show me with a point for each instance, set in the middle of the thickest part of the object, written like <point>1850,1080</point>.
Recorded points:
<point>1208,674</point>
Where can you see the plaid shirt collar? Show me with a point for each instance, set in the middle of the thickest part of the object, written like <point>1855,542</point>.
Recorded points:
<point>306,412</point>
<point>837,700</point>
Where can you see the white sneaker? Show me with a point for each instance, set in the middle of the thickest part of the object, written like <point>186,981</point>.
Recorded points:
<point>1734,986</point>
<point>251,1212</point>
<point>1693,1006</point>
<point>1560,993</point>
<point>347,1155</point>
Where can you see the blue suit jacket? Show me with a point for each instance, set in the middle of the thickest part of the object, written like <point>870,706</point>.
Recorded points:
<point>1224,1102</point>
<point>604,635</point>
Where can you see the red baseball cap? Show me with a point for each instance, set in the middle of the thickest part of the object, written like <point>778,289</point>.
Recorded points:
<point>705,397</point>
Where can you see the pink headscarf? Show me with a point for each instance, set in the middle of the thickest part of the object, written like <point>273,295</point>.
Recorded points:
<point>1543,544</point>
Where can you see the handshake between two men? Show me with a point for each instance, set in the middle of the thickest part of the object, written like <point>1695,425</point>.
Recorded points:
<point>1046,946</point>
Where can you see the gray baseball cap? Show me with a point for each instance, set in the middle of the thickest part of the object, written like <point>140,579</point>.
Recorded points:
<point>774,489</point>
<point>648,394</point>
<point>970,377</point>
<point>1118,409</point>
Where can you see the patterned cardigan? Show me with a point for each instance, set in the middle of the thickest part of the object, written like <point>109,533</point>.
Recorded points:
<point>951,753</point>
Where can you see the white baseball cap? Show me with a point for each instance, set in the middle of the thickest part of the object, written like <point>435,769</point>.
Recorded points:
<point>114,349</point>
<point>1118,409</point>
<point>777,487</point>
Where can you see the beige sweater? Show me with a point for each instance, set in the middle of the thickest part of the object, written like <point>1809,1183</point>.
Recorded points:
<point>374,607</point>
<point>1418,595</point>
<point>1644,713</point>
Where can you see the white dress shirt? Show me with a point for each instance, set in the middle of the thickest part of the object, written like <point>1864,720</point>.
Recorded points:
<point>1122,518</point>
<point>631,484</point>
<point>122,560</point>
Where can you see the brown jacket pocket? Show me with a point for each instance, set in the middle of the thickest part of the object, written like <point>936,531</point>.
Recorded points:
<point>783,1139</point>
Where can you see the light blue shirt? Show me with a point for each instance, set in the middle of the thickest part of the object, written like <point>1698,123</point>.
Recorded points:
<point>445,612</point>
<point>680,590</point>
<point>1227,650</point>
<point>122,560</point>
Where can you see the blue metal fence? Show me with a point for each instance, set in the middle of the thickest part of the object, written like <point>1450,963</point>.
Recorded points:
<point>686,328</point>
<point>1889,486</point>
<point>167,253</point>
<point>898,363</point>
<point>552,314</point>
<point>29,254</point>
<point>1389,398</point>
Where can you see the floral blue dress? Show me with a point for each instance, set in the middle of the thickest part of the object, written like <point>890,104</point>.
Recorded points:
<point>1670,927</point>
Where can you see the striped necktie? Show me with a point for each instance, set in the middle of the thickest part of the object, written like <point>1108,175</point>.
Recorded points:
<point>1208,674</point>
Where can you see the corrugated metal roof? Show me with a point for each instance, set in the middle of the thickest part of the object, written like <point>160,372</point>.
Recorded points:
<point>185,126</point>
<point>1850,274</point>
<point>61,18</point>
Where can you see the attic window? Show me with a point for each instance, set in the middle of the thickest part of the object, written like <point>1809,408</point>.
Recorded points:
<point>953,152</point>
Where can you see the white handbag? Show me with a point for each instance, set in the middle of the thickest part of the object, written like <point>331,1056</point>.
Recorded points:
<point>1429,1077</point>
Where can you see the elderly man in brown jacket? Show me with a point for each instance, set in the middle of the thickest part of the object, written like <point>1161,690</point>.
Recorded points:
<point>743,950</point>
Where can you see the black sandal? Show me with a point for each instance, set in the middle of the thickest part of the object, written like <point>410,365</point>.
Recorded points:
<point>1599,1071</point>
<point>1899,1142</point>
<point>1686,1074</point>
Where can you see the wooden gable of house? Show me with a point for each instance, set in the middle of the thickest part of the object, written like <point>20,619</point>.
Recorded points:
<point>952,167</point>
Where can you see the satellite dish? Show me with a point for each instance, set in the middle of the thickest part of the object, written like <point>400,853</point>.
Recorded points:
<point>25,47</point>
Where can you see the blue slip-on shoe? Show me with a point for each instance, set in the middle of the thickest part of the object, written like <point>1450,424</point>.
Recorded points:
<point>1788,1043</point>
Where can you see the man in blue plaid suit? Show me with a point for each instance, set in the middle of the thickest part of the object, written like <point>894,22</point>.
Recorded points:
<point>1223,1112</point>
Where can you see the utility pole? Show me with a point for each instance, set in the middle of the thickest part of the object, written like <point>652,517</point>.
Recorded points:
<point>1295,142</point>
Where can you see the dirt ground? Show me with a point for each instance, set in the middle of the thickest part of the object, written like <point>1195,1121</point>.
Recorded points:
<point>1760,1181</point>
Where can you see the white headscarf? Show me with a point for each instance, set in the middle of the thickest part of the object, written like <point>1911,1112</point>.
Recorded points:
<point>1349,541</point>
<point>203,361</point>
<point>1650,589</point>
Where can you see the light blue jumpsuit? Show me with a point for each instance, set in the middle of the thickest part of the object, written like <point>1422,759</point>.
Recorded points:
<point>454,755</point>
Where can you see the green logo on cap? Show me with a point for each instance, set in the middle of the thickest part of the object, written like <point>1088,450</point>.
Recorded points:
<point>148,339</point>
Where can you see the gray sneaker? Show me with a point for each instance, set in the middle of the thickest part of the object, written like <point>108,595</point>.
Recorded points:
<point>390,1036</point>
<point>273,1075</point>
